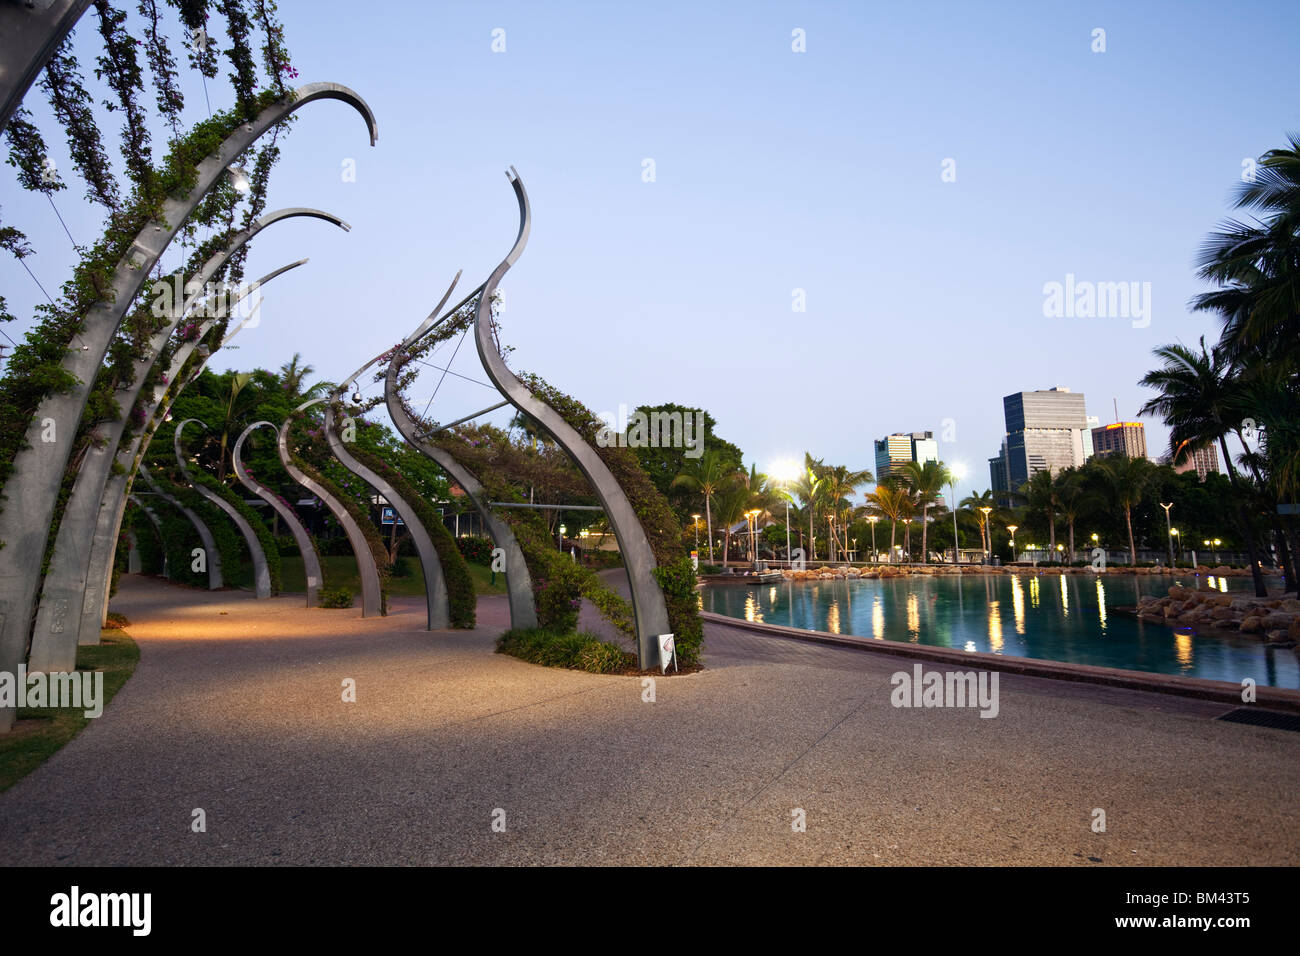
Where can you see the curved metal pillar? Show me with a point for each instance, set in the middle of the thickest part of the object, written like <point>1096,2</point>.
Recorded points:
<point>153,518</point>
<point>438,616</point>
<point>30,33</point>
<point>261,572</point>
<point>519,583</point>
<point>371,599</point>
<point>310,562</point>
<point>212,557</point>
<point>647,598</point>
<point>108,522</point>
<point>31,493</point>
<point>70,582</point>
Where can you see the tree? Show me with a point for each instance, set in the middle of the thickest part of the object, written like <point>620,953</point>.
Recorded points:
<point>1201,399</point>
<point>709,474</point>
<point>974,504</point>
<point>1128,480</point>
<point>733,502</point>
<point>1258,265</point>
<point>1039,494</point>
<point>892,502</point>
<point>926,481</point>
<point>837,485</point>
<point>808,488</point>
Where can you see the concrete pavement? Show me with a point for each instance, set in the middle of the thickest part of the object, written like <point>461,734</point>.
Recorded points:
<point>236,708</point>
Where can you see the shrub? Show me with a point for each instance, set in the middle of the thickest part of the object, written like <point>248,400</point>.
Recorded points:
<point>335,597</point>
<point>476,549</point>
<point>287,546</point>
<point>580,651</point>
<point>402,567</point>
<point>678,583</point>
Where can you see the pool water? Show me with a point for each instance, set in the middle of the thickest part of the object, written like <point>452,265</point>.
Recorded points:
<point>1051,617</point>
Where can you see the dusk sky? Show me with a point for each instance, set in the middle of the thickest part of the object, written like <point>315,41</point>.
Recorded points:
<point>774,171</point>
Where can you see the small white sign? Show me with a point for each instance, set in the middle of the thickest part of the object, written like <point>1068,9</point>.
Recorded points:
<point>667,652</point>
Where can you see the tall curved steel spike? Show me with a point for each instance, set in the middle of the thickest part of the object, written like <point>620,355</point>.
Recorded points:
<point>310,561</point>
<point>77,570</point>
<point>647,598</point>
<point>519,584</point>
<point>261,572</point>
<point>371,599</point>
<point>76,586</point>
<point>32,490</point>
<point>438,610</point>
<point>153,518</point>
<point>212,556</point>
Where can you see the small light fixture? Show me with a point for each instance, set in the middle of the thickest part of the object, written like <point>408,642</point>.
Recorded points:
<point>239,179</point>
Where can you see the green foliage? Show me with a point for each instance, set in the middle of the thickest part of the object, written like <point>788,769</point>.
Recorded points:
<point>335,597</point>
<point>677,580</point>
<point>476,548</point>
<point>581,651</point>
<point>461,598</point>
<point>264,536</point>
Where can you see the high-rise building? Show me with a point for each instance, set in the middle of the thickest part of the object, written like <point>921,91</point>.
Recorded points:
<point>896,450</point>
<point>998,472</point>
<point>1121,438</point>
<point>1088,450</point>
<point>1204,461</point>
<point>1045,431</point>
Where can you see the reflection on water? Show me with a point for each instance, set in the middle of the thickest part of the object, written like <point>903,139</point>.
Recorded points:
<point>995,628</point>
<point>1018,603</point>
<point>1072,620</point>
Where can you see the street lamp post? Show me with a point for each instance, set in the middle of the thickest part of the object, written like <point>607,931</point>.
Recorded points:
<point>1169,528</point>
<point>988,530</point>
<point>955,474</point>
<point>696,521</point>
<point>1012,528</point>
<point>907,524</point>
<point>875,557</point>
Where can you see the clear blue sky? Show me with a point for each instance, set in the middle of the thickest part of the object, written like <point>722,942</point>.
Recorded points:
<point>775,170</point>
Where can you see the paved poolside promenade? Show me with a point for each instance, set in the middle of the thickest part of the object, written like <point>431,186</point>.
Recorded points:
<point>236,708</point>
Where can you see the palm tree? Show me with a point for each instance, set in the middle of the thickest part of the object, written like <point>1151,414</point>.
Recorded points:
<point>709,474</point>
<point>926,481</point>
<point>1039,493</point>
<point>1258,265</point>
<point>808,488</point>
<point>1074,499</point>
<point>838,484</point>
<point>894,503</point>
<point>733,502</point>
<point>974,503</point>
<point>1127,480</point>
<point>1201,399</point>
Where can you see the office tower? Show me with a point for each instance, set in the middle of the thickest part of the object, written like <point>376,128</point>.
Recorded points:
<point>1121,438</point>
<point>1045,431</point>
<point>1088,449</point>
<point>896,450</point>
<point>1203,462</point>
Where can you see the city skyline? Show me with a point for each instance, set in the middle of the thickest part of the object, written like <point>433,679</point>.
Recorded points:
<point>807,184</point>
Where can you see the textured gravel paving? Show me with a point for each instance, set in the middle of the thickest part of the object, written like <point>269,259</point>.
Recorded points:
<point>236,708</point>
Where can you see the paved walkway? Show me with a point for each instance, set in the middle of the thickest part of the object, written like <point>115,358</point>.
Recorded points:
<point>236,708</point>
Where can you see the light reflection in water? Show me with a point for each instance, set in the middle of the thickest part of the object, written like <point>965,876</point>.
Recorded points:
<point>877,619</point>
<point>1101,603</point>
<point>913,616</point>
<point>833,617</point>
<point>1183,649</point>
<point>1033,592</point>
<point>995,628</point>
<point>752,611</point>
<point>1018,603</point>
<point>1065,597</point>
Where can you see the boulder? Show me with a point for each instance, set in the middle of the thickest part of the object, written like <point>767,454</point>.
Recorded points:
<point>1253,624</point>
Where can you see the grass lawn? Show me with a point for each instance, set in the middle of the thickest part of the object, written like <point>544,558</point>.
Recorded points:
<point>341,571</point>
<point>41,731</point>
